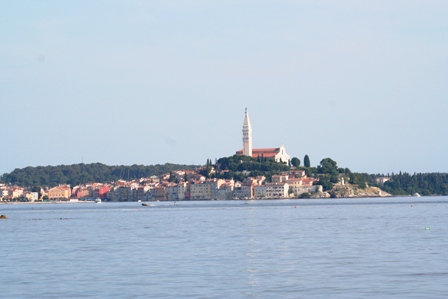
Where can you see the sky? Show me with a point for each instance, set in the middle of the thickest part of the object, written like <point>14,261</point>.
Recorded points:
<point>364,83</point>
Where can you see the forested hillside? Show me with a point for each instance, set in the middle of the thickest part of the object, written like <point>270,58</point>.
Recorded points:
<point>235,165</point>
<point>85,173</point>
<point>422,183</point>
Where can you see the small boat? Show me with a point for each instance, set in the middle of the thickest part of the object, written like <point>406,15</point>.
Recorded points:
<point>98,200</point>
<point>2,216</point>
<point>417,195</point>
<point>146,204</point>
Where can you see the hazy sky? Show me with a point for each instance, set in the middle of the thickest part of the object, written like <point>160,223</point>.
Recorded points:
<point>148,82</point>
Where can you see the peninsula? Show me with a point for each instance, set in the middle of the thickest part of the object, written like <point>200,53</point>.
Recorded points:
<point>251,173</point>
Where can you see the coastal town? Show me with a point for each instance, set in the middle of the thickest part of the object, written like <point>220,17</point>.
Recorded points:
<point>184,184</point>
<point>175,186</point>
<point>250,173</point>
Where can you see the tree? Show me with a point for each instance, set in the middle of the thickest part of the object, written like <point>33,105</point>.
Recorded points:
<point>295,162</point>
<point>328,166</point>
<point>207,169</point>
<point>358,179</point>
<point>172,177</point>
<point>325,182</point>
<point>306,161</point>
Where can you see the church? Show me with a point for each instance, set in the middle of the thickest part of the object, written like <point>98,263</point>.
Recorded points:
<point>276,153</point>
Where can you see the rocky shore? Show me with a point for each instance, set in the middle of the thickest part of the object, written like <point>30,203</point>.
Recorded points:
<point>351,191</point>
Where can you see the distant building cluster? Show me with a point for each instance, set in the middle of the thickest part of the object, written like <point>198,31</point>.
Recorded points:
<point>190,185</point>
<point>8,193</point>
<point>185,185</point>
<point>62,192</point>
<point>175,186</point>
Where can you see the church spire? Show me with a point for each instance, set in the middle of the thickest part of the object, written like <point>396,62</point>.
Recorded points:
<point>247,135</point>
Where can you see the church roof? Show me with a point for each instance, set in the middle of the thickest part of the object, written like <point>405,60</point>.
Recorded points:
<point>266,152</point>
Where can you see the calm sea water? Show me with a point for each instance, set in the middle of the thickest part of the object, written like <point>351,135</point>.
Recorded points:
<point>338,248</point>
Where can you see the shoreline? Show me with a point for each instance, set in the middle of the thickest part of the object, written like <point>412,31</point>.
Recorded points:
<point>258,199</point>
<point>42,202</point>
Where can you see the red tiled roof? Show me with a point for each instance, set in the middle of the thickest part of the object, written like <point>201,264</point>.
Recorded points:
<point>293,180</point>
<point>266,152</point>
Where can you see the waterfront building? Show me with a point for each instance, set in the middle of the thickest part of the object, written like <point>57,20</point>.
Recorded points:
<point>225,192</point>
<point>126,192</point>
<point>200,190</point>
<point>60,192</point>
<point>4,193</point>
<point>260,191</point>
<point>32,196</point>
<point>142,193</point>
<point>80,192</point>
<point>276,190</point>
<point>215,184</point>
<point>100,191</point>
<point>15,192</point>
<point>183,191</point>
<point>175,192</point>
<point>160,193</point>
<point>172,192</point>
<point>243,192</point>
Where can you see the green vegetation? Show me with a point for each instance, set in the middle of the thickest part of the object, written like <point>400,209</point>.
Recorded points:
<point>206,171</point>
<point>399,184</point>
<point>239,167</point>
<point>295,162</point>
<point>328,173</point>
<point>422,183</point>
<point>85,173</point>
<point>362,179</point>
<point>306,161</point>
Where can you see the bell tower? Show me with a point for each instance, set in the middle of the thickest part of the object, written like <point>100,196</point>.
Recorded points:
<point>247,136</point>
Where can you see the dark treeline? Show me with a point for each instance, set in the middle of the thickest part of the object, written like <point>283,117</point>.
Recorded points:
<point>77,174</point>
<point>399,184</point>
<point>240,163</point>
<point>422,183</point>
<point>234,166</point>
<point>405,183</point>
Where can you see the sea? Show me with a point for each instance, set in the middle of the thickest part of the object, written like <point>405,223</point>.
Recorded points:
<point>310,248</point>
